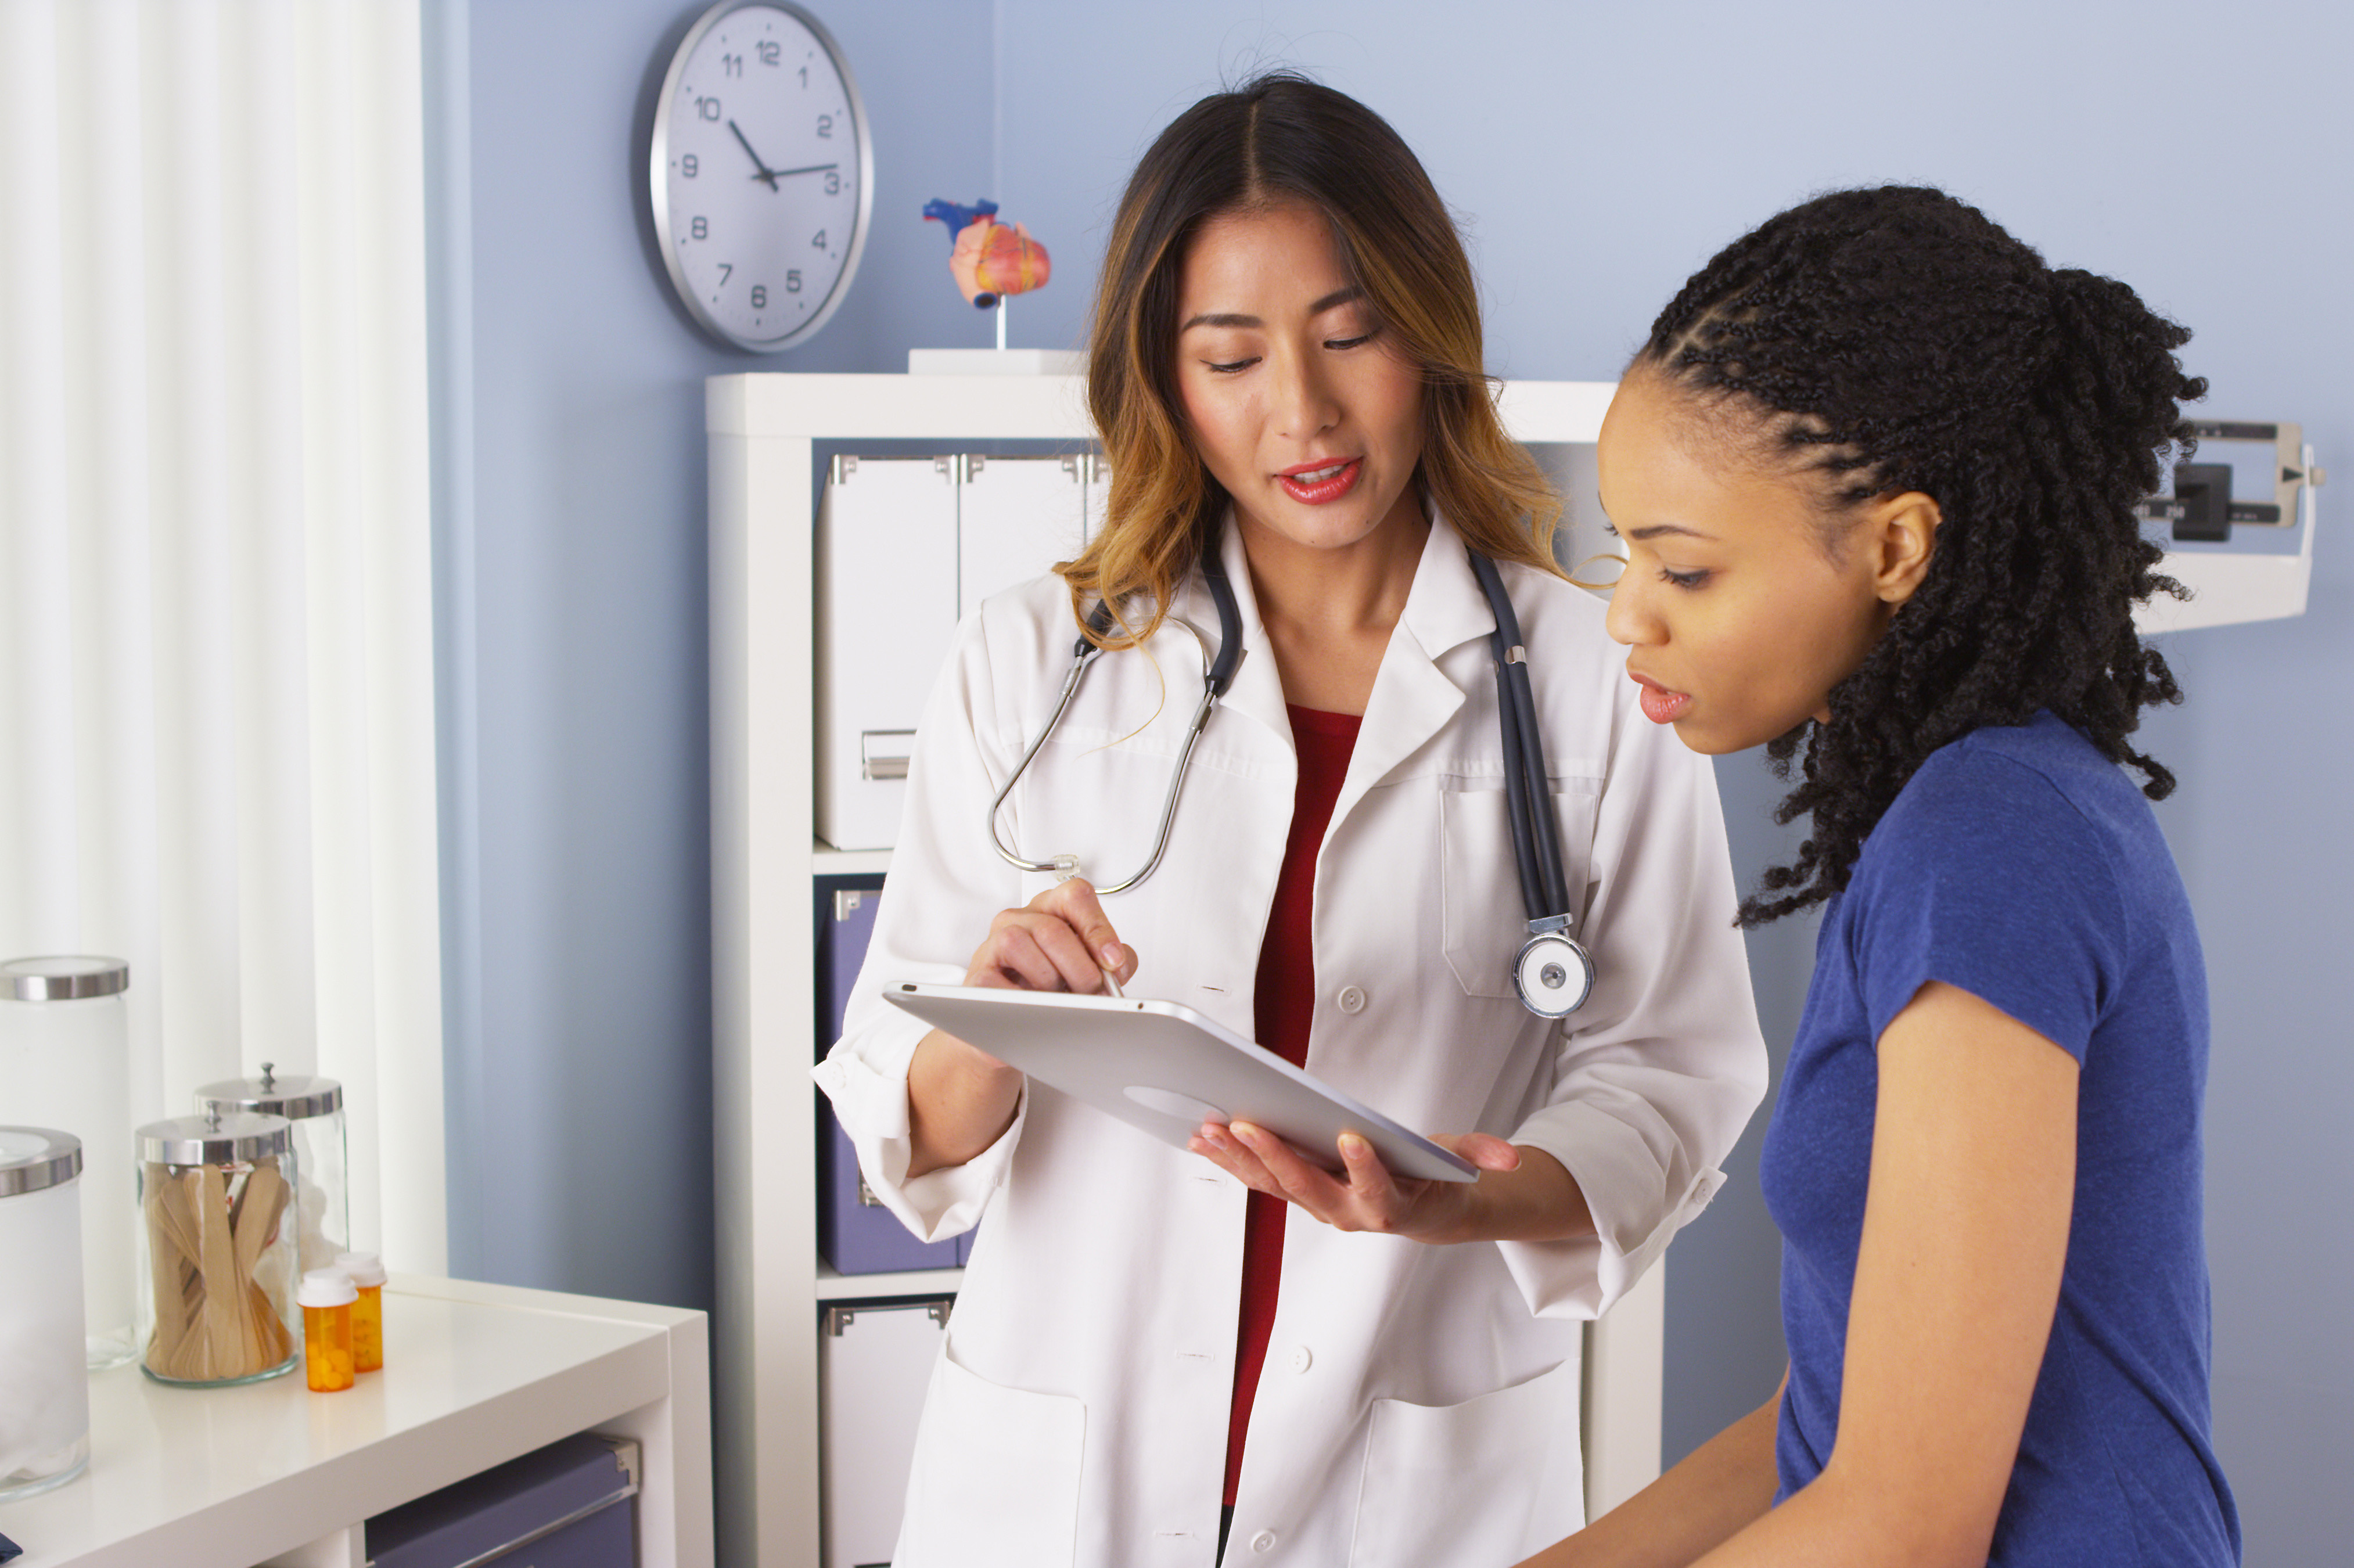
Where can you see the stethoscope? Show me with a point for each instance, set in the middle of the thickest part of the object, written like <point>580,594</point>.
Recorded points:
<point>1553,973</point>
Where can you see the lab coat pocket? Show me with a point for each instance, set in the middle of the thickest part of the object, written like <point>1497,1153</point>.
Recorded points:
<point>996,1478</point>
<point>1481,1484</point>
<point>1480,886</point>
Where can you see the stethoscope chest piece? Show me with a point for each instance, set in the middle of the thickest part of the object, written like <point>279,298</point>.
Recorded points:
<point>1554,975</point>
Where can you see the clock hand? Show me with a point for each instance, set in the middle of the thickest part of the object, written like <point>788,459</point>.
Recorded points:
<point>810,169</point>
<point>765,175</point>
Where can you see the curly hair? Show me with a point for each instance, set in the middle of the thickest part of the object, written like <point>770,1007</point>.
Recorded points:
<point>1896,339</point>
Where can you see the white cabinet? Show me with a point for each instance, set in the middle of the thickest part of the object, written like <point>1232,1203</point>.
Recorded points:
<point>764,432</point>
<point>474,1375</point>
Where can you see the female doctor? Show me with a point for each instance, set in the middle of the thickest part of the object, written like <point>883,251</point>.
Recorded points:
<point>1154,1349</point>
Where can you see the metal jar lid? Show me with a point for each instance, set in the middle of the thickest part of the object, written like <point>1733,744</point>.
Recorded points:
<point>296,1099</point>
<point>34,1158</point>
<point>232,1138</point>
<point>64,978</point>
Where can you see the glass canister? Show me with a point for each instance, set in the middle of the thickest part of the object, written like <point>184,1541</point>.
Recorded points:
<point>217,1202</point>
<point>44,1385</point>
<point>315,1106</point>
<point>65,1062</point>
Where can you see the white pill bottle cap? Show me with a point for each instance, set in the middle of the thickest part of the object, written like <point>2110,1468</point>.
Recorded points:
<point>326,1287</point>
<point>367,1270</point>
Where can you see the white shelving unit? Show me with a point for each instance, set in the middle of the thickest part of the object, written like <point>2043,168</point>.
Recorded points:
<point>763,430</point>
<point>474,1375</point>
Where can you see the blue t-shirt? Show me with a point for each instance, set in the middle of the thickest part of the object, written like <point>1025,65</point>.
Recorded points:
<point>2020,865</point>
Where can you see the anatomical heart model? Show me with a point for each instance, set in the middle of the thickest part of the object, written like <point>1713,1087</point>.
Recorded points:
<point>990,259</point>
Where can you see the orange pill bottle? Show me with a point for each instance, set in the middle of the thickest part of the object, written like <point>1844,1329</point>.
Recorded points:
<point>326,1296</point>
<point>366,1273</point>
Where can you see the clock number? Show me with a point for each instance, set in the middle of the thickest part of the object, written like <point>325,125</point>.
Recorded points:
<point>817,241</point>
<point>805,76</point>
<point>771,52</point>
<point>825,124</point>
<point>725,269</point>
<point>759,297</point>
<point>688,165</point>
<point>833,183</point>
<point>700,230</point>
<point>709,108</point>
<point>793,281</point>
<point>732,64</point>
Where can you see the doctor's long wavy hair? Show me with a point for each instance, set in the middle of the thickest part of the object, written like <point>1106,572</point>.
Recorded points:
<point>1282,138</point>
<point>1896,339</point>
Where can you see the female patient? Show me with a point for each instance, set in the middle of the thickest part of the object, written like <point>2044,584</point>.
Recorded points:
<point>1876,470</point>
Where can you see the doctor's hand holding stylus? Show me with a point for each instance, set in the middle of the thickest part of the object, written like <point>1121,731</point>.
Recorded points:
<point>961,1099</point>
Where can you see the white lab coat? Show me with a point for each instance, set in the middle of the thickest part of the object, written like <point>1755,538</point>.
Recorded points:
<point>1420,1404</point>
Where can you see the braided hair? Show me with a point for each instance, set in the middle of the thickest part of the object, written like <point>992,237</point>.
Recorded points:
<point>1896,339</point>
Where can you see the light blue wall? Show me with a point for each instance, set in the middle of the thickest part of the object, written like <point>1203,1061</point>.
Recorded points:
<point>1597,154</point>
<point>572,609</point>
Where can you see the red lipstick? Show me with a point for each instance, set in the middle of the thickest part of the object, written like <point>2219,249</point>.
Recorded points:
<point>1322,480</point>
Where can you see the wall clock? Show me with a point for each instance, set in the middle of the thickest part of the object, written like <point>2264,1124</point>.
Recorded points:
<point>762,175</point>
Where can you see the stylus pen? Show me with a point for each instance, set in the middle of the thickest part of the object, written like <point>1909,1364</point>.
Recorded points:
<point>1111,986</point>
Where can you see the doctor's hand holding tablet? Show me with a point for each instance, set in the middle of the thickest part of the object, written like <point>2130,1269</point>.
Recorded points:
<point>1123,1060</point>
<point>1407,860</point>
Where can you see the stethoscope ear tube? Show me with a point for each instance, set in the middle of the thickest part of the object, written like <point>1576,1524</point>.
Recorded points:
<point>1524,853</point>
<point>1217,673</point>
<point>1229,657</point>
<point>1536,787</point>
<point>1552,972</point>
<point>1536,835</point>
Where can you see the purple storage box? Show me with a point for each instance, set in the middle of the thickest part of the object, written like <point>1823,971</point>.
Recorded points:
<point>573,1504</point>
<point>855,1234</point>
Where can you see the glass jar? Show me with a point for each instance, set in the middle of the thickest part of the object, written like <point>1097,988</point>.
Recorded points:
<point>216,1195</point>
<point>44,1386</point>
<point>65,1062</point>
<point>315,1106</point>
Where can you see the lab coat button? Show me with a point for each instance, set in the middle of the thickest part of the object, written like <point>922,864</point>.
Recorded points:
<point>1299,1360</point>
<point>1263,1541</point>
<point>1351,999</point>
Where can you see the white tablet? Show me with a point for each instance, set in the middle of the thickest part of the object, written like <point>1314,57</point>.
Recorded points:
<point>1164,1068</point>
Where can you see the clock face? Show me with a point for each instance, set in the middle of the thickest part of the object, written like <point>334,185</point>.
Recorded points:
<point>761,176</point>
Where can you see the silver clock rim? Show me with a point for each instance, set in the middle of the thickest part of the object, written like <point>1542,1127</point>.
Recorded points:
<point>657,168</point>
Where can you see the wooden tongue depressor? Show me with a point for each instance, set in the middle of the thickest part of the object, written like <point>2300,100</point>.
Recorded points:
<point>224,1310</point>
<point>259,1209</point>
<point>168,1248</point>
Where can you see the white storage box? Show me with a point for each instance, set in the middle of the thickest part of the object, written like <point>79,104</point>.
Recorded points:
<point>886,612</point>
<point>874,1363</point>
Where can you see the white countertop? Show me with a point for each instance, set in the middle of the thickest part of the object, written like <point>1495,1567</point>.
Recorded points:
<point>225,1477</point>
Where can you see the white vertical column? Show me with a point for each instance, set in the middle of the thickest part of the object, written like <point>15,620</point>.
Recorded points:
<point>106,297</point>
<point>389,404</point>
<point>337,317</point>
<point>273,515</point>
<point>196,699</point>
<point>37,829</point>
